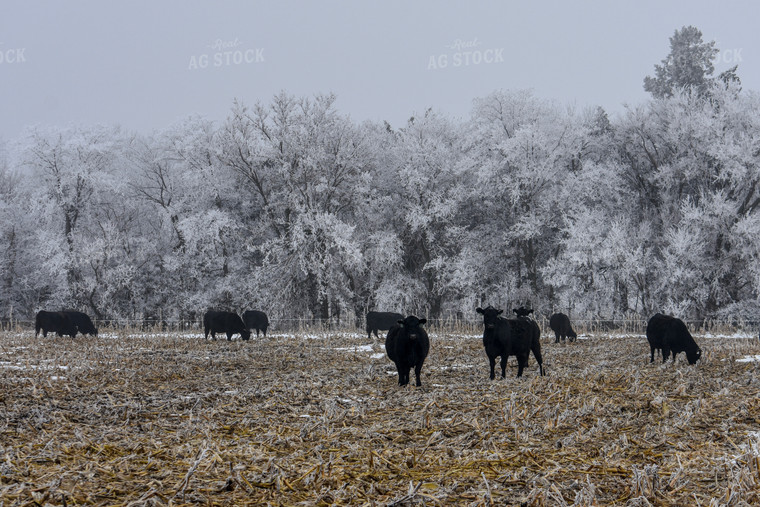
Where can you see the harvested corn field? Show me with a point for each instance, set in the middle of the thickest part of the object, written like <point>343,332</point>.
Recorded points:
<point>318,419</point>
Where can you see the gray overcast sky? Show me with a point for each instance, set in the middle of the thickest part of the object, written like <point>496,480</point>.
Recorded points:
<point>141,64</point>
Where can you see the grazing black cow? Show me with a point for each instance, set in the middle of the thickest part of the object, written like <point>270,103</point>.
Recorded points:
<point>56,322</point>
<point>407,345</point>
<point>534,332</point>
<point>224,322</point>
<point>560,324</point>
<point>381,321</point>
<point>255,319</point>
<point>670,334</point>
<point>502,337</point>
<point>82,322</point>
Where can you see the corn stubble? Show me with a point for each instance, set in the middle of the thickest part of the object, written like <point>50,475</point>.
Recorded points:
<point>172,419</point>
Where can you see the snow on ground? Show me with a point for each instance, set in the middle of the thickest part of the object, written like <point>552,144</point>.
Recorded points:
<point>749,359</point>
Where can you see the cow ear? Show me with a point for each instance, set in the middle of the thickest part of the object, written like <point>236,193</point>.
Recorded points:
<point>530,311</point>
<point>422,321</point>
<point>499,312</point>
<point>400,321</point>
<point>479,310</point>
<point>514,310</point>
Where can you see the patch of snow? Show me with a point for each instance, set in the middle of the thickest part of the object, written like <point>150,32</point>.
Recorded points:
<point>748,359</point>
<point>357,348</point>
<point>379,355</point>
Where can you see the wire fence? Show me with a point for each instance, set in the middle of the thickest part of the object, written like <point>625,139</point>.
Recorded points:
<point>631,326</point>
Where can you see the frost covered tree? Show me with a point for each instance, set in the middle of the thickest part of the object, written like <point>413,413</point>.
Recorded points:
<point>688,67</point>
<point>526,152</point>
<point>71,169</point>
<point>301,163</point>
<point>428,176</point>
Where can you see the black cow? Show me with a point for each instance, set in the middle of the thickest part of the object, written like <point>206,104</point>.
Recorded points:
<point>82,322</point>
<point>255,319</point>
<point>381,321</point>
<point>224,322</point>
<point>407,345</point>
<point>535,334</point>
<point>502,337</point>
<point>560,324</point>
<point>670,334</point>
<point>56,322</point>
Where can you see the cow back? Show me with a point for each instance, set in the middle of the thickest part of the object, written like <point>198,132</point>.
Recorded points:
<point>382,320</point>
<point>255,319</point>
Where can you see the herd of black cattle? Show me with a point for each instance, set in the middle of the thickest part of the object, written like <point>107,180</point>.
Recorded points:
<point>407,343</point>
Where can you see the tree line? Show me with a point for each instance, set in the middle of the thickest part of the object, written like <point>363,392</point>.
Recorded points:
<point>291,207</point>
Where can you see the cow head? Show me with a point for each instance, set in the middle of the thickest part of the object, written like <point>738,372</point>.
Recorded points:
<point>245,334</point>
<point>490,316</point>
<point>522,311</point>
<point>411,325</point>
<point>694,355</point>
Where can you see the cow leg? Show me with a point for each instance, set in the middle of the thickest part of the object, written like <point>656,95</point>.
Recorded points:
<point>492,363</point>
<point>651,354</point>
<point>665,354</point>
<point>522,362</point>
<point>403,375</point>
<point>539,359</point>
<point>556,336</point>
<point>503,365</point>
<point>417,370</point>
<point>229,336</point>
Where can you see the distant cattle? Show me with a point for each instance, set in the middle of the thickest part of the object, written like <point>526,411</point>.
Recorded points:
<point>54,322</point>
<point>224,322</point>
<point>407,345</point>
<point>381,321</point>
<point>504,338</point>
<point>255,319</point>
<point>82,322</point>
<point>670,334</point>
<point>560,324</point>
<point>534,332</point>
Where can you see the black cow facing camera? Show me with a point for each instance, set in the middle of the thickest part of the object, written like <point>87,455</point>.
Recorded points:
<point>224,322</point>
<point>670,334</point>
<point>407,345</point>
<point>534,332</point>
<point>503,337</point>
<point>54,322</point>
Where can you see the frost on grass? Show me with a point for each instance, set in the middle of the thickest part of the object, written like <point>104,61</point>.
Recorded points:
<point>315,420</point>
